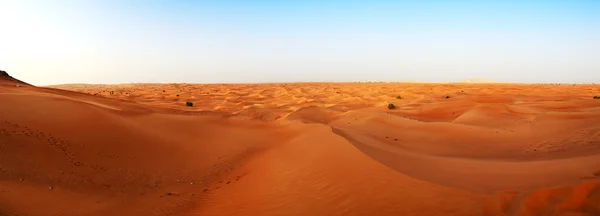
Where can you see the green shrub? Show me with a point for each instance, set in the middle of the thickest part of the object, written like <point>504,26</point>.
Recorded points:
<point>189,104</point>
<point>391,106</point>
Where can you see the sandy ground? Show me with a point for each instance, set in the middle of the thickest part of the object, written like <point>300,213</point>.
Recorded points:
<point>300,149</point>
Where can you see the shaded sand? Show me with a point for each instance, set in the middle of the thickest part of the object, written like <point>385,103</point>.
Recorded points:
<point>300,149</point>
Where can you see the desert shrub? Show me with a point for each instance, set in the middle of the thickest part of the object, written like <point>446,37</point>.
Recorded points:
<point>391,106</point>
<point>189,104</point>
<point>398,97</point>
<point>596,97</point>
<point>177,95</point>
<point>447,96</point>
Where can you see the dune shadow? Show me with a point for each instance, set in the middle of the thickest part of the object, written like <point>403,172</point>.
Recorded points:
<point>477,175</point>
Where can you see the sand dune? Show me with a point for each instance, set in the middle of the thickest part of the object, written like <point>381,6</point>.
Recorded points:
<point>479,80</point>
<point>300,149</point>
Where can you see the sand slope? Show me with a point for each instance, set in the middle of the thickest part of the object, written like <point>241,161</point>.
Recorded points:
<point>300,149</point>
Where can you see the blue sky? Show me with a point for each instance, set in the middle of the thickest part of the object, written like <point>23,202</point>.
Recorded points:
<point>111,41</point>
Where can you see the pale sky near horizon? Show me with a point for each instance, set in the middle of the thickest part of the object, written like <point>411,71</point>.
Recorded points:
<point>114,41</point>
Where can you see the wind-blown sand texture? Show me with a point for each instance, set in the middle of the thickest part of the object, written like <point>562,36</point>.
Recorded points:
<point>300,149</point>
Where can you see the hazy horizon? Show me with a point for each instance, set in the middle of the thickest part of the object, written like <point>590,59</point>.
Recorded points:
<point>110,42</point>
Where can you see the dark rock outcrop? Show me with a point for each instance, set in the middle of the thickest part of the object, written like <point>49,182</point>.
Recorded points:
<point>3,74</point>
<point>5,77</point>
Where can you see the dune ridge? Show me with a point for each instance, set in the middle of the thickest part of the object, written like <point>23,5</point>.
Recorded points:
<point>300,149</point>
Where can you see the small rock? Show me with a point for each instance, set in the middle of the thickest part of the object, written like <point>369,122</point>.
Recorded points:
<point>50,188</point>
<point>178,180</point>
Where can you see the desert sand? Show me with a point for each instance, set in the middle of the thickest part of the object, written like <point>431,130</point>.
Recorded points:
<point>299,149</point>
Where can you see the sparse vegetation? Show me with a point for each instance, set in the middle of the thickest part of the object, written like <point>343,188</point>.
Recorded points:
<point>172,194</point>
<point>596,97</point>
<point>189,104</point>
<point>177,95</point>
<point>391,106</point>
<point>447,96</point>
<point>398,97</point>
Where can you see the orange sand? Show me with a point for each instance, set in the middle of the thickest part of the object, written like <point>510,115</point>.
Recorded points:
<point>300,149</point>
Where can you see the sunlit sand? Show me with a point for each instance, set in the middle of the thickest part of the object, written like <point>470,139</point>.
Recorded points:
<point>299,149</point>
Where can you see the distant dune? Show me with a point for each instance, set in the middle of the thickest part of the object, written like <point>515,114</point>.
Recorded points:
<point>477,80</point>
<point>300,149</point>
